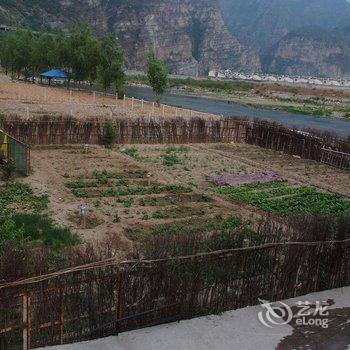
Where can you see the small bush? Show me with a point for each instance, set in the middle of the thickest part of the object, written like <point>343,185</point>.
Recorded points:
<point>8,169</point>
<point>170,159</point>
<point>10,233</point>
<point>131,152</point>
<point>109,136</point>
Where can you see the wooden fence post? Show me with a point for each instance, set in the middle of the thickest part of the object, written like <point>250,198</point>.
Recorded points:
<point>163,111</point>
<point>26,321</point>
<point>70,95</point>
<point>61,321</point>
<point>119,308</point>
<point>142,105</point>
<point>93,97</point>
<point>153,108</point>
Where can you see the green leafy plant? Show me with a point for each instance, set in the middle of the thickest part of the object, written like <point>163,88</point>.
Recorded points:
<point>131,152</point>
<point>170,159</point>
<point>276,197</point>
<point>109,135</point>
<point>8,169</point>
<point>9,232</point>
<point>20,196</point>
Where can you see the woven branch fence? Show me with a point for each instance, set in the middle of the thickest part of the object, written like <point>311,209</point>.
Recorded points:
<point>321,147</point>
<point>102,298</point>
<point>60,131</point>
<point>113,298</point>
<point>157,130</point>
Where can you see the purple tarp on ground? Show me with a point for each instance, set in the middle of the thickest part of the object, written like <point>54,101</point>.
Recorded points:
<point>238,180</point>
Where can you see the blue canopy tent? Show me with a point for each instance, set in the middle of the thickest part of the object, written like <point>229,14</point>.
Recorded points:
<point>54,74</point>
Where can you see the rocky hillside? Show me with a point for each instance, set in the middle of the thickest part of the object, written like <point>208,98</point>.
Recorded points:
<point>278,30</point>
<point>262,23</point>
<point>189,34</point>
<point>312,51</point>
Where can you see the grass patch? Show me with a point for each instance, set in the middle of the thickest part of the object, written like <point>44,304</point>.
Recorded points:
<point>35,227</point>
<point>316,112</point>
<point>206,84</point>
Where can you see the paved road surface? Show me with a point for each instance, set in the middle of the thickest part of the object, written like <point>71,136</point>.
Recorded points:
<point>339,126</point>
<point>237,330</point>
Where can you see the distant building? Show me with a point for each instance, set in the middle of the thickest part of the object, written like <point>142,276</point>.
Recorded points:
<point>257,77</point>
<point>229,74</point>
<point>212,74</point>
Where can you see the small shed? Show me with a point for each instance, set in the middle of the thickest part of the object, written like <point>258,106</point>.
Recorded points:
<point>54,74</point>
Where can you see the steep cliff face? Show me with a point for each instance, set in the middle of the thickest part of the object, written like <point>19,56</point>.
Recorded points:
<point>260,24</point>
<point>277,31</point>
<point>190,35</point>
<point>312,51</point>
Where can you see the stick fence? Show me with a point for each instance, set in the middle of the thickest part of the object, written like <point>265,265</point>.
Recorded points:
<point>113,298</point>
<point>49,130</point>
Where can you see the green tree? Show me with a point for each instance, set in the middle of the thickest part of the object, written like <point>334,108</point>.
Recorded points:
<point>111,67</point>
<point>23,53</point>
<point>157,76</point>
<point>93,49</point>
<point>83,58</point>
<point>6,57</point>
<point>16,55</point>
<point>64,56</point>
<point>44,53</point>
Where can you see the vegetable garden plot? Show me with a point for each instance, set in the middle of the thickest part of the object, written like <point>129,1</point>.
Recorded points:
<point>279,198</point>
<point>129,196</point>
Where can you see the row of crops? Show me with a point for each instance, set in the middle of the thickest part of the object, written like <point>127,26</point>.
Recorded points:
<point>108,184</point>
<point>283,199</point>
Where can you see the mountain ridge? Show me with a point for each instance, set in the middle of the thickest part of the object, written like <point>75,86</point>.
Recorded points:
<point>280,33</point>
<point>190,35</point>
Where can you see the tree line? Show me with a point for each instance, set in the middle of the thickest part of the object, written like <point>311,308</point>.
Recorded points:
<point>83,56</point>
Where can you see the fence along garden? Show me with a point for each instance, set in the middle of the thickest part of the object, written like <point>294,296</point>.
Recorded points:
<point>106,297</point>
<point>164,124</point>
<point>50,130</point>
